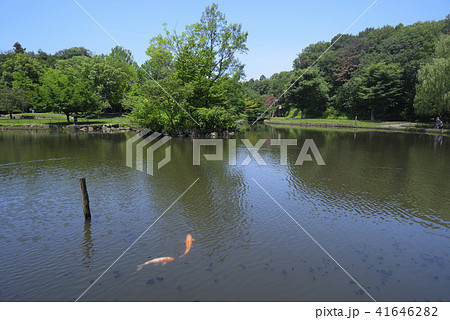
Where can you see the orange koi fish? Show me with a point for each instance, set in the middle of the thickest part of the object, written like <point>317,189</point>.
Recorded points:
<point>161,261</point>
<point>189,240</point>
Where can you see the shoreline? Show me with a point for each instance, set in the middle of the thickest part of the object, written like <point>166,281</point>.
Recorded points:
<point>113,128</point>
<point>72,127</point>
<point>116,128</point>
<point>337,126</point>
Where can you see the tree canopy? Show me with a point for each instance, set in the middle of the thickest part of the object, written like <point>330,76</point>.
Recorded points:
<point>433,89</point>
<point>389,73</point>
<point>203,62</point>
<point>373,74</point>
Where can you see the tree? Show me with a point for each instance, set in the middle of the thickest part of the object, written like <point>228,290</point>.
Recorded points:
<point>113,77</point>
<point>168,109</point>
<point>18,48</point>
<point>433,89</point>
<point>310,54</point>
<point>251,110</point>
<point>69,90</point>
<point>278,83</point>
<point>73,52</point>
<point>122,54</point>
<point>12,99</point>
<point>201,55</point>
<point>309,93</point>
<point>23,71</point>
<point>268,101</point>
<point>348,61</point>
<point>408,46</point>
<point>380,87</point>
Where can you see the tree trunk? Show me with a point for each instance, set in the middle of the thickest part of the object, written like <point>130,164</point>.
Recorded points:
<point>10,114</point>
<point>301,113</point>
<point>372,114</point>
<point>68,118</point>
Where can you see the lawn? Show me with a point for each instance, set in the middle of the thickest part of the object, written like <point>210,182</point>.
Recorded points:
<point>338,122</point>
<point>56,119</point>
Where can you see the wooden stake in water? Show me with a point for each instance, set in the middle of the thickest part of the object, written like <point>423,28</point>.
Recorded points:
<point>85,198</point>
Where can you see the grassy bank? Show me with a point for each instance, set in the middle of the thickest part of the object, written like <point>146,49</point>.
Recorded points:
<point>44,119</point>
<point>360,124</point>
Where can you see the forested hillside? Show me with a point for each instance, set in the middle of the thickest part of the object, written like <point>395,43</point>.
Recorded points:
<point>380,74</point>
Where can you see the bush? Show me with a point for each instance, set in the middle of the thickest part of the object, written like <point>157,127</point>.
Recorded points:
<point>147,116</point>
<point>214,119</point>
<point>332,113</point>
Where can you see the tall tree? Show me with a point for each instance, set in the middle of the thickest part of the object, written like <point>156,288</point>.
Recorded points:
<point>12,99</point>
<point>18,48</point>
<point>310,54</point>
<point>433,89</point>
<point>203,53</point>
<point>309,93</point>
<point>23,71</point>
<point>380,87</point>
<point>68,89</point>
<point>203,57</point>
<point>73,52</point>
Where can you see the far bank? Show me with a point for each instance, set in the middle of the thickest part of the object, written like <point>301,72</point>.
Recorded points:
<point>394,126</point>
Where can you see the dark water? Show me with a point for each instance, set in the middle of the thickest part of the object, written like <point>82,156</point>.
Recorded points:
<point>380,207</point>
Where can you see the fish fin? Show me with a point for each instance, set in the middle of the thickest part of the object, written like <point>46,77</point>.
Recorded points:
<point>139,267</point>
<point>193,239</point>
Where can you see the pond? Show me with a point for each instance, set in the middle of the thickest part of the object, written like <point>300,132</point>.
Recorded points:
<point>372,223</point>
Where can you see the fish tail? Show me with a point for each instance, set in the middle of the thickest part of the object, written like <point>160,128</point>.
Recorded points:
<point>139,267</point>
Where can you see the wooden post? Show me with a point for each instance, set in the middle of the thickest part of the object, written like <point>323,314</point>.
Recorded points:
<point>85,198</point>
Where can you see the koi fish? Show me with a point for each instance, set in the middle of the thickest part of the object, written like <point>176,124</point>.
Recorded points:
<point>189,240</point>
<point>161,261</point>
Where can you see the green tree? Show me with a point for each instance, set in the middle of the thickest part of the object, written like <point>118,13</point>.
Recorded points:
<point>309,93</point>
<point>433,89</point>
<point>380,87</point>
<point>114,76</point>
<point>252,108</point>
<point>12,99</point>
<point>310,54</point>
<point>68,89</point>
<point>18,48</point>
<point>169,109</point>
<point>408,46</point>
<point>73,52</point>
<point>201,55</point>
<point>278,83</point>
<point>122,54</point>
<point>23,71</point>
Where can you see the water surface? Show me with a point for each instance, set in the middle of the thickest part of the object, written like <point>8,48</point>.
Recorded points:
<point>380,207</point>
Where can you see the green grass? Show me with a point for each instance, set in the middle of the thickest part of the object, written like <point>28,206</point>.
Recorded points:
<point>341,125</point>
<point>423,126</point>
<point>47,115</point>
<point>57,119</point>
<point>360,123</point>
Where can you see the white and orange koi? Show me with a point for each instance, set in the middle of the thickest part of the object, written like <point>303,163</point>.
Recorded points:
<point>161,261</point>
<point>189,240</point>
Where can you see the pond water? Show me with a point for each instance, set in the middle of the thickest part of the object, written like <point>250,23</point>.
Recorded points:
<point>380,207</point>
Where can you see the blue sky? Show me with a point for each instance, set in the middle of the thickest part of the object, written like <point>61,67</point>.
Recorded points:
<point>278,30</point>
